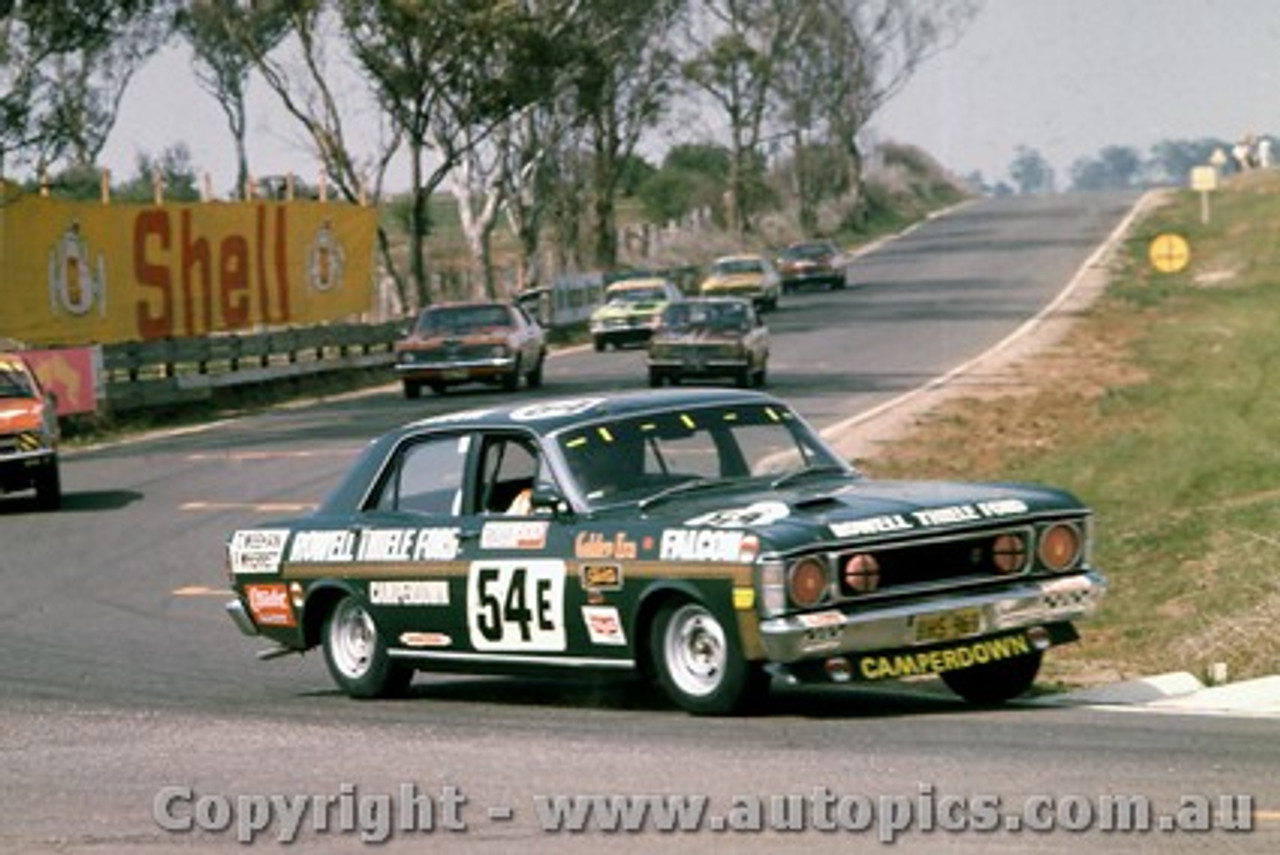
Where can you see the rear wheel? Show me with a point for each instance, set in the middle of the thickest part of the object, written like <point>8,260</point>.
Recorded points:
<point>599,344</point>
<point>699,663</point>
<point>356,654</point>
<point>994,682</point>
<point>412,388</point>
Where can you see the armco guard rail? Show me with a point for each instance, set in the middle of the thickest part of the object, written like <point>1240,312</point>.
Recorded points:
<point>182,370</point>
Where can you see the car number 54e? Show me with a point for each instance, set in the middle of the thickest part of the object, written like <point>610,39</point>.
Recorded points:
<point>516,605</point>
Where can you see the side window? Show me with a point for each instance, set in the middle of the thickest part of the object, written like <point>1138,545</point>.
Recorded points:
<point>428,477</point>
<point>508,470</point>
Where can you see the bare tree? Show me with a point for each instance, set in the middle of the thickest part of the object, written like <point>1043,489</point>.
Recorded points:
<point>222,62</point>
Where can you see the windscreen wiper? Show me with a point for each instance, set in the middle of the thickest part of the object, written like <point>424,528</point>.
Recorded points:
<point>790,477</point>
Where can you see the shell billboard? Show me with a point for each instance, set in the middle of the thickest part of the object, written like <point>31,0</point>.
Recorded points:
<point>81,272</point>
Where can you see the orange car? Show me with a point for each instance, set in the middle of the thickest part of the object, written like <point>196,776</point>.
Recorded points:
<point>477,342</point>
<point>28,433</point>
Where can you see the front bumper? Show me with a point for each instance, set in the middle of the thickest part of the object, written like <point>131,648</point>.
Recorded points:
<point>695,367</point>
<point>868,633</point>
<point>452,372</point>
<point>240,617</point>
<point>23,469</point>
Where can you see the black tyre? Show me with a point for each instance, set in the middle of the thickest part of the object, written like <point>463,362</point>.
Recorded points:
<point>699,663</point>
<point>534,380</point>
<point>599,344</point>
<point>49,489</point>
<point>412,389</point>
<point>743,377</point>
<point>655,378</point>
<point>356,654</point>
<point>994,682</point>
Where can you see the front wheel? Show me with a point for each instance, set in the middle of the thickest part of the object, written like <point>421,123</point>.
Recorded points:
<point>534,378</point>
<point>994,682</point>
<point>700,664</point>
<point>49,489</point>
<point>356,654</point>
<point>511,381</point>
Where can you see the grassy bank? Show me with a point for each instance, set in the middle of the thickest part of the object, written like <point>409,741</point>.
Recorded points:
<point>1161,410</point>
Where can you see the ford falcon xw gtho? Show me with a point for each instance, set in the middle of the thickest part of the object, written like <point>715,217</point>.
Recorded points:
<point>707,539</point>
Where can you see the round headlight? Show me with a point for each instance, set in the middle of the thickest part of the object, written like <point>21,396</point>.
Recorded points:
<point>807,582</point>
<point>1060,546</point>
<point>1009,553</point>
<point>861,573</point>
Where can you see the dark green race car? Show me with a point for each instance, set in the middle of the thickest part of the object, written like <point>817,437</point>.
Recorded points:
<point>708,539</point>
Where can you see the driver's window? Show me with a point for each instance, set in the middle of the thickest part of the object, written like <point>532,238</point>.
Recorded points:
<point>508,471</point>
<point>427,478</point>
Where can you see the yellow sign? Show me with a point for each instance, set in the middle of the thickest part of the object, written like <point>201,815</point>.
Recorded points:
<point>1204,178</point>
<point>81,272</point>
<point>1170,253</point>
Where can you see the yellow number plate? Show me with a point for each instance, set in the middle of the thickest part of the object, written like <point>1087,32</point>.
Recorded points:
<point>948,625</point>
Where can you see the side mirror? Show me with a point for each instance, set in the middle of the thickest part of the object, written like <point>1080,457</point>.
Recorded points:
<point>548,500</point>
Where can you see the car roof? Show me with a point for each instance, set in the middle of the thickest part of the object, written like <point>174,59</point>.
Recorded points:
<point>811,244</point>
<point>466,304</point>
<point>741,256</point>
<point>638,284</point>
<point>717,298</point>
<point>549,416</point>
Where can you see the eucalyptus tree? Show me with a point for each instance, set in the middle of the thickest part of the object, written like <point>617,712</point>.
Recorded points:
<point>450,75</point>
<point>861,53</point>
<point>734,57</point>
<point>64,66</point>
<point>219,32</point>
<point>626,77</point>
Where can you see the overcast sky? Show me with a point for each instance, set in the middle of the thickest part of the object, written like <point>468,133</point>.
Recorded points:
<point>1065,77</point>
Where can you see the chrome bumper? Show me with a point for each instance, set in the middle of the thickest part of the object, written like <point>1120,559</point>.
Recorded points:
<point>843,630</point>
<point>235,609</point>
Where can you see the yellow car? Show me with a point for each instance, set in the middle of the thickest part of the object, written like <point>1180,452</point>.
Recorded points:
<point>749,276</point>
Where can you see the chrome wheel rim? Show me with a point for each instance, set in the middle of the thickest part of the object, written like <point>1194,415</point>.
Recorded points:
<point>696,650</point>
<point>353,639</point>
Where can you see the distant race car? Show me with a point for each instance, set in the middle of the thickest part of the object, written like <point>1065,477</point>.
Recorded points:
<point>29,434</point>
<point>630,311</point>
<point>707,538</point>
<point>745,275</point>
<point>709,337</point>
<point>485,342</point>
<point>812,263</point>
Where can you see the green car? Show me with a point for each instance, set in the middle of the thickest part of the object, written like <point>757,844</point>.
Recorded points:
<point>631,311</point>
<point>706,539</point>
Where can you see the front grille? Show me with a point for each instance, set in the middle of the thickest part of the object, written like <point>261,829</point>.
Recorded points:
<point>924,564</point>
<point>446,355</point>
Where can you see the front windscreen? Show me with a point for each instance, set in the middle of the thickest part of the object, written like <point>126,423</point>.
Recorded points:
<point>636,458</point>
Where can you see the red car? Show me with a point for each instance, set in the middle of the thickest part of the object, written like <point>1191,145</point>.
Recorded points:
<point>476,342</point>
<point>812,263</point>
